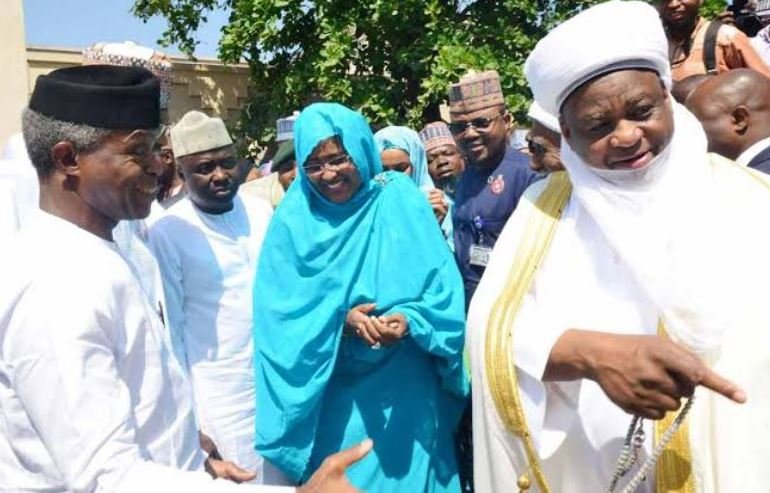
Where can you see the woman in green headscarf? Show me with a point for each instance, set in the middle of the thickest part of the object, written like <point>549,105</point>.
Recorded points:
<point>366,338</point>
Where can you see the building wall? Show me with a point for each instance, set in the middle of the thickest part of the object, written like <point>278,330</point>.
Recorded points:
<point>13,86</point>
<point>206,85</point>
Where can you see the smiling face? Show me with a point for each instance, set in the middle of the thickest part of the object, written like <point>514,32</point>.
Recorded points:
<point>336,178</point>
<point>120,179</point>
<point>620,120</point>
<point>212,179</point>
<point>484,147</point>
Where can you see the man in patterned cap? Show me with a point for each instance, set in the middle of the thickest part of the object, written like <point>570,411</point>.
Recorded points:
<point>445,160</point>
<point>496,177</point>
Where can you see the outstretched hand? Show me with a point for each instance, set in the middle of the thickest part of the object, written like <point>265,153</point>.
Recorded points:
<point>330,477</point>
<point>643,375</point>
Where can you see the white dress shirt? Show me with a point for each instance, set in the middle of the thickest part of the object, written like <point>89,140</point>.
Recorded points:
<point>91,397</point>
<point>208,262</point>
<point>746,156</point>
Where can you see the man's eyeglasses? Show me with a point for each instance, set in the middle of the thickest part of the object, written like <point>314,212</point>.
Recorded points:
<point>534,148</point>
<point>334,164</point>
<point>480,124</point>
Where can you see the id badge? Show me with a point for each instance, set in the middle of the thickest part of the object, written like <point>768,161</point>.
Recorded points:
<point>479,255</point>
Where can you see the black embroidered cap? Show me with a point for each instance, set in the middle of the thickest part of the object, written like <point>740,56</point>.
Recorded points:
<point>101,96</point>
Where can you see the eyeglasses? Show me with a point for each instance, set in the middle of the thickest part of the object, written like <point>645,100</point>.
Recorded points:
<point>481,124</point>
<point>334,164</point>
<point>535,148</point>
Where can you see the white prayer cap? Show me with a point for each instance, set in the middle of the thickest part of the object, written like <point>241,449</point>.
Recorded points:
<point>537,113</point>
<point>130,54</point>
<point>607,37</point>
<point>197,132</point>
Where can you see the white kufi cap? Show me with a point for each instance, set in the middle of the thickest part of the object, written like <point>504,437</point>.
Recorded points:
<point>197,132</point>
<point>537,113</point>
<point>610,36</point>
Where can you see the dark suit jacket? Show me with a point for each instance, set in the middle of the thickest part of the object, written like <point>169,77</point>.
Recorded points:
<point>761,161</point>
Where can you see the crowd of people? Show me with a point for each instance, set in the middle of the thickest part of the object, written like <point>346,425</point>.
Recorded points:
<point>406,310</point>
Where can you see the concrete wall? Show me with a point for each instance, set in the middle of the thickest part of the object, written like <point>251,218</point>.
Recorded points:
<point>13,85</point>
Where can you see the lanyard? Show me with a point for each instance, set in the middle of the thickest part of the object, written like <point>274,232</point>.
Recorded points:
<point>478,229</point>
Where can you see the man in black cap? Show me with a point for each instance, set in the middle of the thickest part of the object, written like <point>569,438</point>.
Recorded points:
<point>91,396</point>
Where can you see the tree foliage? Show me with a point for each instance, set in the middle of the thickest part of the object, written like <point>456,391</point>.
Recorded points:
<point>392,59</point>
<point>711,8</point>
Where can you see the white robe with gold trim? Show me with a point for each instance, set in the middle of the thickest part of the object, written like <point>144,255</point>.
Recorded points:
<point>593,279</point>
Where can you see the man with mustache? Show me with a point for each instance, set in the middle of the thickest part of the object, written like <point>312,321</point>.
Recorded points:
<point>207,247</point>
<point>617,339</point>
<point>497,175</point>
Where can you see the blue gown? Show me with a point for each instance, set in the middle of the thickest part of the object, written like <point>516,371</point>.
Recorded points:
<point>319,391</point>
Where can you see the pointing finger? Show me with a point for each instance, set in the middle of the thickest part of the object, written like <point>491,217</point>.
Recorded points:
<point>717,383</point>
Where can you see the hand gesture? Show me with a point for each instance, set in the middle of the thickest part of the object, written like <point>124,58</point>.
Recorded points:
<point>330,477</point>
<point>649,375</point>
<point>220,469</point>
<point>438,203</point>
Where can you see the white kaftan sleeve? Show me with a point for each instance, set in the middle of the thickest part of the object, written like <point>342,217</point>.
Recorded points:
<point>173,288</point>
<point>60,349</point>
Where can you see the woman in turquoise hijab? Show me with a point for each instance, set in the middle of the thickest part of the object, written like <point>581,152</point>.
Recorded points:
<point>366,336</point>
<point>408,142</point>
<point>403,149</point>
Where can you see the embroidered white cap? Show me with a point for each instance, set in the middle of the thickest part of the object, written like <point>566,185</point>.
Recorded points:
<point>197,132</point>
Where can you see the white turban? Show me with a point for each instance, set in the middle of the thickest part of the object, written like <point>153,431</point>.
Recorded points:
<point>538,114</point>
<point>197,132</point>
<point>607,37</point>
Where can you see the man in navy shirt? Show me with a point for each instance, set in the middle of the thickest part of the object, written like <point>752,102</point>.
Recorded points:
<point>496,177</point>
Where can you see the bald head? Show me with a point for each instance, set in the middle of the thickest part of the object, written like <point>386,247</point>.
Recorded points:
<point>734,109</point>
<point>682,89</point>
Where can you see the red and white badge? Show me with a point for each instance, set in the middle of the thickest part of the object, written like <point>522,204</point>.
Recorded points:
<point>497,184</point>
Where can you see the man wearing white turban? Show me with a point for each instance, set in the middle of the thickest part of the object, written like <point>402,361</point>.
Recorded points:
<point>544,140</point>
<point>632,284</point>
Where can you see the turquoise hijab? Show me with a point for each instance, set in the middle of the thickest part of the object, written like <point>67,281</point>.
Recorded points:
<point>407,140</point>
<point>318,260</point>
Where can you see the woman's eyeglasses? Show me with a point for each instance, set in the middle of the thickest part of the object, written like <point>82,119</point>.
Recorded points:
<point>480,124</point>
<point>335,164</point>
